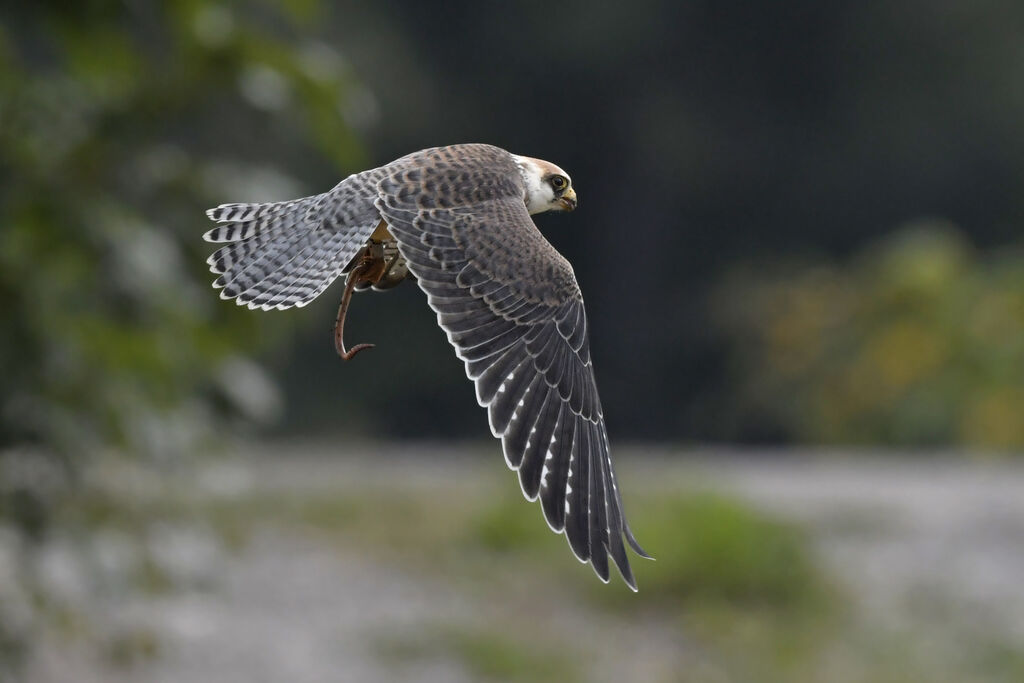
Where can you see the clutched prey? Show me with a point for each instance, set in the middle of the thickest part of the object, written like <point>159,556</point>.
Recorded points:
<point>379,265</point>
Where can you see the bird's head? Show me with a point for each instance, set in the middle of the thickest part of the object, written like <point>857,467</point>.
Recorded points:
<point>548,188</point>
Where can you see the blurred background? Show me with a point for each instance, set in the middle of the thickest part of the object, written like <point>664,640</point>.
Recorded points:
<point>799,241</point>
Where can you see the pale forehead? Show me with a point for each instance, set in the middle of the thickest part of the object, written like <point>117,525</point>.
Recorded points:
<point>546,167</point>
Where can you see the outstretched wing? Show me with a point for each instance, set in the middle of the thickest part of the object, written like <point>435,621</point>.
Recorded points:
<point>285,254</point>
<point>511,307</point>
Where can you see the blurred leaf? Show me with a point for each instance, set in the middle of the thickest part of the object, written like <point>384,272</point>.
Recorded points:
<point>714,550</point>
<point>119,125</point>
<point>115,119</point>
<point>919,340</point>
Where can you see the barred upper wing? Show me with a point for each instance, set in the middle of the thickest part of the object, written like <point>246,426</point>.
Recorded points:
<point>285,254</point>
<point>511,308</point>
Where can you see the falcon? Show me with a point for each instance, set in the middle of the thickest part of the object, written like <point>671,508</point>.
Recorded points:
<point>457,220</point>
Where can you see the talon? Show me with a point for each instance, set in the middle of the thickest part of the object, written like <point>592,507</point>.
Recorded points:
<point>350,354</point>
<point>378,265</point>
<point>354,277</point>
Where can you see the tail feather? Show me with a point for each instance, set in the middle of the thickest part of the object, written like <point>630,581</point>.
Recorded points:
<point>285,254</point>
<point>241,221</point>
<point>276,254</point>
<point>236,255</point>
<point>271,282</point>
<point>306,280</point>
<point>243,213</point>
<point>231,232</point>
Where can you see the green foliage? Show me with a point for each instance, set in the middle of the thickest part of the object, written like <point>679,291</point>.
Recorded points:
<point>708,549</point>
<point>493,656</point>
<point>119,125</point>
<point>488,653</point>
<point>712,548</point>
<point>116,130</point>
<point>919,340</point>
<point>506,527</point>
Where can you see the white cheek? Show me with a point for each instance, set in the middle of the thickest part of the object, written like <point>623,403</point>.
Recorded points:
<point>541,197</point>
<point>546,194</point>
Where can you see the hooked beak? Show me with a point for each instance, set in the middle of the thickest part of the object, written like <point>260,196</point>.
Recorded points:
<point>568,200</point>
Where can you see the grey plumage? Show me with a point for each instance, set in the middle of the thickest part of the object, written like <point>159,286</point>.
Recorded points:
<point>508,301</point>
<point>286,254</point>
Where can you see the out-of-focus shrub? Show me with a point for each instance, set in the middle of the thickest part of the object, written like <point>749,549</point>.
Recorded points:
<point>918,340</point>
<point>120,123</point>
<point>118,126</point>
<point>710,550</point>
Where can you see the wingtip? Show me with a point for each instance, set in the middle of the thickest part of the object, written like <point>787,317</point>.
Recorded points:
<point>635,545</point>
<point>602,569</point>
<point>626,572</point>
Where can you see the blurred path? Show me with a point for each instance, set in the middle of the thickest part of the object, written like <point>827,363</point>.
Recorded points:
<point>892,527</point>
<point>906,534</point>
<point>913,537</point>
<point>283,610</point>
<point>913,540</point>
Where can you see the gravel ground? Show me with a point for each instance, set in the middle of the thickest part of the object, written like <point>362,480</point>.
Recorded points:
<point>286,608</point>
<point>898,530</point>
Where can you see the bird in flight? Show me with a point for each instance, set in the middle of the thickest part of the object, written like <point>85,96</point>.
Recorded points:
<point>457,220</point>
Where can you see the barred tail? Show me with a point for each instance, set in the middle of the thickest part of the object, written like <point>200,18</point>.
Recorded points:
<point>285,254</point>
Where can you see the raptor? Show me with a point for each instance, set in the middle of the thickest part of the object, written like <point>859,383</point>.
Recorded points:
<point>457,220</point>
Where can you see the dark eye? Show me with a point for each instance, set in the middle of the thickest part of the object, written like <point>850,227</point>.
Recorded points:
<point>558,182</point>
